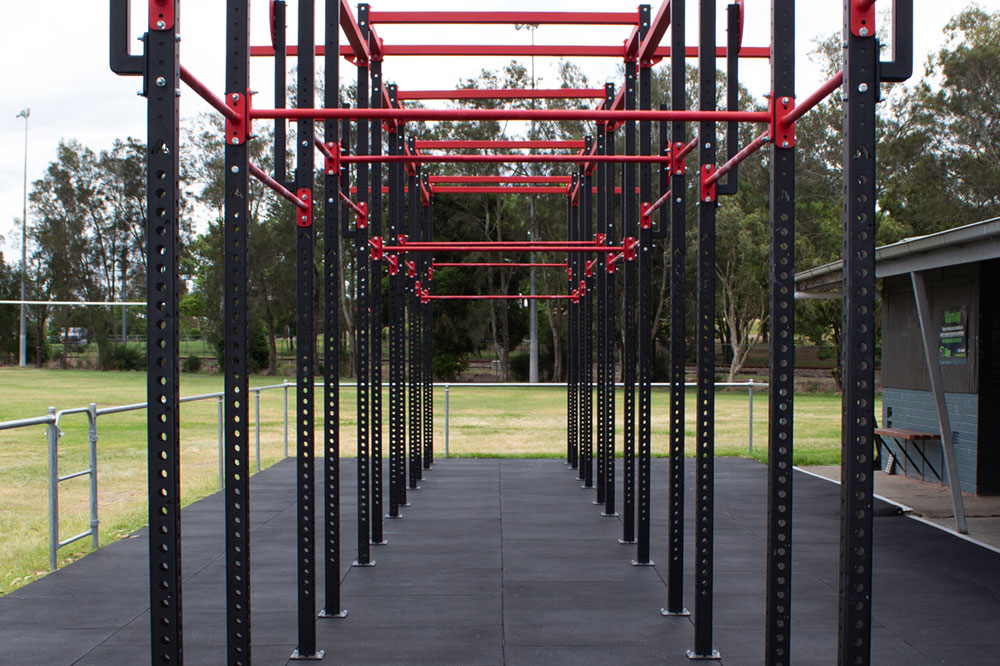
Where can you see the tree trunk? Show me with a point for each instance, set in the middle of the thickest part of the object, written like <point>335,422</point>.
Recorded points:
<point>272,346</point>
<point>557,361</point>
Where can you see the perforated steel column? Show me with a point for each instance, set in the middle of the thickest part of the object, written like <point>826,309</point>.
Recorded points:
<point>860,95</point>
<point>427,417</point>
<point>397,369</point>
<point>571,337</point>
<point>587,325</point>
<point>415,318</point>
<point>375,222</point>
<point>782,350</point>
<point>601,280</point>
<point>610,318</point>
<point>630,226</point>
<point>162,365</point>
<point>678,326</point>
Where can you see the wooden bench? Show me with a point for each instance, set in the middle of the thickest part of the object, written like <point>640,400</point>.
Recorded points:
<point>900,436</point>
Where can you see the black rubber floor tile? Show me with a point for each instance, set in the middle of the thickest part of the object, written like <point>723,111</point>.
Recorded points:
<point>594,628</point>
<point>49,646</point>
<point>407,646</point>
<point>523,655</point>
<point>522,596</point>
<point>373,580</point>
<point>578,569</point>
<point>426,610</point>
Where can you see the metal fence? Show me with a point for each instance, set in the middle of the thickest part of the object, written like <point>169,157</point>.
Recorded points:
<point>93,412</point>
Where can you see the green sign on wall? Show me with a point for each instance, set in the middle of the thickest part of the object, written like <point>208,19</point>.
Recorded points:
<point>953,337</point>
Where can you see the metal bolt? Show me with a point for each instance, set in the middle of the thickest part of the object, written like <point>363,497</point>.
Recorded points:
<point>304,218</point>
<point>678,199</point>
<point>236,97</point>
<point>303,196</point>
<point>680,173</point>
<point>235,169</point>
<point>235,141</point>
<point>784,100</point>
<point>161,24</point>
<point>785,144</point>
<point>708,145</point>
<point>708,199</point>
<point>160,81</point>
<point>862,87</point>
<point>863,32</point>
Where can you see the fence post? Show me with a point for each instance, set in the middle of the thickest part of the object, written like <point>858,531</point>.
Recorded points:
<point>222,471</point>
<point>285,387</point>
<point>257,423</point>
<point>447,390</point>
<point>53,436</point>
<point>750,395</point>
<point>94,522</point>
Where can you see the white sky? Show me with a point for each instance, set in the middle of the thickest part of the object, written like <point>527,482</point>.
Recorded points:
<point>56,55</point>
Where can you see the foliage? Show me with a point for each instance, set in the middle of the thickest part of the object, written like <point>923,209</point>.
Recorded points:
<point>122,357</point>
<point>192,364</point>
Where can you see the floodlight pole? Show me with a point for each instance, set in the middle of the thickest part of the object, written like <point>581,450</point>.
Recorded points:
<point>533,303</point>
<point>24,246</point>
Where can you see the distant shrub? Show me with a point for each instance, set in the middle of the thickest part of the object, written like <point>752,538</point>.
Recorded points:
<point>123,357</point>
<point>192,364</point>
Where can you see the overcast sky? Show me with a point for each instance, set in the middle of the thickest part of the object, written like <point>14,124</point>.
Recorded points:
<point>56,62</point>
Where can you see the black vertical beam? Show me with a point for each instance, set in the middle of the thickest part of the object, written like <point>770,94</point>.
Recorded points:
<point>571,336</point>
<point>305,347</point>
<point>280,92</point>
<point>362,319</point>
<point>608,320</point>
<point>629,233</point>
<point>427,417</point>
<point>678,268</point>
<point>732,184</point>
<point>331,323</point>
<point>587,323</point>
<point>777,646</point>
<point>397,369</point>
<point>375,222</point>
<point>601,279</point>
<point>705,335</point>
<point>415,315</point>
<point>645,259</point>
<point>162,364</point>
<point>860,94</point>
<point>235,314</point>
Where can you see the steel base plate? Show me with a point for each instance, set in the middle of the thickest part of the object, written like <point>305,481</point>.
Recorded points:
<point>703,657</point>
<point>332,616</point>
<point>356,563</point>
<point>316,656</point>
<point>684,612</point>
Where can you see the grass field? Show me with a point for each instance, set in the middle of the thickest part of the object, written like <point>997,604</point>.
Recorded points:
<point>484,421</point>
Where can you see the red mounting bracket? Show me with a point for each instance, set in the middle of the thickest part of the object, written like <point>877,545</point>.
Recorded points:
<point>583,287</point>
<point>238,132</point>
<point>601,239</point>
<point>331,164</point>
<point>678,167</point>
<point>611,263</point>
<point>707,188</point>
<point>304,217</point>
<point>575,296</point>
<point>630,245</point>
<point>425,296</point>
<point>362,215</point>
<point>645,220</point>
<point>569,273</point>
<point>161,14</point>
<point>590,268</point>
<point>430,273</point>
<point>411,269</point>
<point>863,18</point>
<point>393,261</point>
<point>376,245</point>
<point>782,133</point>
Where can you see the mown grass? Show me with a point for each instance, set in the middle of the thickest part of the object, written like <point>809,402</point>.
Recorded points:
<point>484,422</point>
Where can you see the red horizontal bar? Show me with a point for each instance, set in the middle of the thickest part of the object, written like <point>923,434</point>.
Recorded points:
<point>278,188</point>
<point>497,189</point>
<point>556,51</point>
<point>495,264</point>
<point>213,100</point>
<point>500,247</point>
<point>500,18</point>
<point>498,297</point>
<point>808,103</point>
<point>483,145</point>
<point>514,158</point>
<point>503,93</point>
<point>509,114</point>
<point>501,179</point>
<point>749,150</point>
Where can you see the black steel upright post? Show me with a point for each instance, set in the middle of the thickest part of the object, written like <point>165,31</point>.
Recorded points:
<point>601,279</point>
<point>397,346</point>
<point>705,336</point>
<point>235,312</point>
<point>587,322</point>
<point>280,91</point>
<point>427,416</point>
<point>362,319</point>
<point>629,234</point>
<point>331,323</point>
<point>860,95</point>
<point>415,317</point>
<point>305,345</point>
<point>608,320</point>
<point>375,222</point>
<point>162,363</point>
<point>645,259</point>
<point>678,326</point>
<point>781,383</point>
<point>571,337</point>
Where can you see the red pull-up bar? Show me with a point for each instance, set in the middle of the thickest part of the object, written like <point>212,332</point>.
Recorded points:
<point>496,297</point>
<point>503,93</point>
<point>495,264</point>
<point>508,114</point>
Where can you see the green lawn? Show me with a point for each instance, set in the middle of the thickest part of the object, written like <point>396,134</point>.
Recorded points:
<point>484,421</point>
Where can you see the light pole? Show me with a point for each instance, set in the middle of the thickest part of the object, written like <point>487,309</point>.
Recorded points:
<point>24,245</point>
<point>533,303</point>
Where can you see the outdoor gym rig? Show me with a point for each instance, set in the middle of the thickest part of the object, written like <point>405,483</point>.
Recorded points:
<point>623,236</point>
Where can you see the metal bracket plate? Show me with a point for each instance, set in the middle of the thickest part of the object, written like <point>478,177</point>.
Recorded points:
<point>782,135</point>
<point>305,217</point>
<point>863,18</point>
<point>238,132</point>
<point>707,187</point>
<point>161,14</point>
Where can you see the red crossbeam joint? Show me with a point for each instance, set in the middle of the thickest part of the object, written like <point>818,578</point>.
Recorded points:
<point>238,127</point>
<point>304,216</point>
<point>707,184</point>
<point>782,124</point>
<point>863,18</point>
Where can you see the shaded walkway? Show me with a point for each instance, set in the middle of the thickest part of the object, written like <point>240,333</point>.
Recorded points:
<point>509,562</point>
